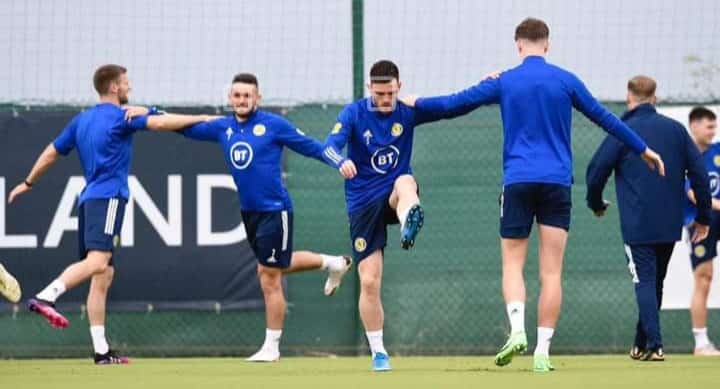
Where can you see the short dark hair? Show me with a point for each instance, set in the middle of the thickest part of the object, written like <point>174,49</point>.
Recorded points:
<point>246,78</point>
<point>384,71</point>
<point>699,113</point>
<point>532,29</point>
<point>106,74</point>
<point>642,87</point>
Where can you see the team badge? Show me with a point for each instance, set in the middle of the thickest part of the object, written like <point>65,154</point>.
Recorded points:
<point>716,160</point>
<point>700,251</point>
<point>337,128</point>
<point>360,245</point>
<point>397,129</point>
<point>259,130</point>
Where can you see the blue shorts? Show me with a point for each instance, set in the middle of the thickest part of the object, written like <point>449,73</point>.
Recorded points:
<point>99,225</point>
<point>522,203</point>
<point>270,236</point>
<point>705,250</point>
<point>368,227</point>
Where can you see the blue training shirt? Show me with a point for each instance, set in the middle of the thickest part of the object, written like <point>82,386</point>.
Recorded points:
<point>379,144</point>
<point>536,100</point>
<point>711,157</point>
<point>253,151</point>
<point>104,141</point>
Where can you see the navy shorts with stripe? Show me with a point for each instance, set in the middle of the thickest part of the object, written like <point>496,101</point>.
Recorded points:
<point>522,203</point>
<point>368,227</point>
<point>270,236</point>
<point>99,225</point>
<point>705,250</point>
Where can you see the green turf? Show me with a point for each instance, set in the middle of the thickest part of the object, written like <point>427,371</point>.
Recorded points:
<point>353,372</point>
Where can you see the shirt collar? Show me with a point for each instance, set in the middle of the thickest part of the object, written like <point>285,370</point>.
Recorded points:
<point>534,59</point>
<point>642,109</point>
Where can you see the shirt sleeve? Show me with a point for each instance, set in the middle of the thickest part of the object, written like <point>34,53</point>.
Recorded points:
<point>138,123</point>
<point>66,141</point>
<point>429,109</point>
<point>584,102</point>
<point>205,131</point>
<point>698,180</point>
<point>601,166</point>
<point>339,137</point>
<point>296,140</point>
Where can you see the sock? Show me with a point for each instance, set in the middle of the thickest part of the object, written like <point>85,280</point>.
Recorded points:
<point>272,340</point>
<point>701,337</point>
<point>544,335</point>
<point>516,315</point>
<point>402,214</point>
<point>100,344</point>
<point>52,291</point>
<point>332,262</point>
<point>375,339</point>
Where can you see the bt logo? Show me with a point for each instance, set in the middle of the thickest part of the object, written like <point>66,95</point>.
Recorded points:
<point>241,154</point>
<point>714,183</point>
<point>385,159</point>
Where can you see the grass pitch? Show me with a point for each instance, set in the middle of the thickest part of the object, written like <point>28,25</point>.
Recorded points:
<point>678,372</point>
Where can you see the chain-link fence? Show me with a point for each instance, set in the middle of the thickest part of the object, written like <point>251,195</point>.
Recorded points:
<point>444,296</point>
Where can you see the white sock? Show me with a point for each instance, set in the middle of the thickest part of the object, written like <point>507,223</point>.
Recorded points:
<point>52,291</point>
<point>272,340</point>
<point>701,337</point>
<point>516,315</point>
<point>402,214</point>
<point>332,262</point>
<point>375,339</point>
<point>100,344</point>
<point>544,336</point>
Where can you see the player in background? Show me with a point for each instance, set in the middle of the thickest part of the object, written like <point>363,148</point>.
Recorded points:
<point>252,141</point>
<point>380,188</point>
<point>650,207</point>
<point>703,124</point>
<point>536,100</point>
<point>103,137</point>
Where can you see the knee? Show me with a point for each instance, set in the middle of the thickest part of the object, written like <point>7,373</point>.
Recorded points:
<point>99,263</point>
<point>270,280</point>
<point>370,283</point>
<point>105,278</point>
<point>406,185</point>
<point>703,278</point>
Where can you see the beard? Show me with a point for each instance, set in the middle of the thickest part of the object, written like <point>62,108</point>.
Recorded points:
<point>123,99</point>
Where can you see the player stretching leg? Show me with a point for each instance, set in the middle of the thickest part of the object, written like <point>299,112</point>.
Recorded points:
<point>103,137</point>
<point>536,100</point>
<point>252,141</point>
<point>380,188</point>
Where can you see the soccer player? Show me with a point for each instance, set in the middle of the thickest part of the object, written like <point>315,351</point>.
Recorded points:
<point>9,287</point>
<point>252,141</point>
<point>103,137</point>
<point>380,188</point>
<point>703,124</point>
<point>651,207</point>
<point>536,100</point>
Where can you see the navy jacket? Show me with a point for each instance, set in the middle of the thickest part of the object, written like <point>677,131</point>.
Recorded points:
<point>651,207</point>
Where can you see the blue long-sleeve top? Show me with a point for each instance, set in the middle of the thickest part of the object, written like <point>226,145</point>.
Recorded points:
<point>536,100</point>
<point>253,151</point>
<point>651,207</point>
